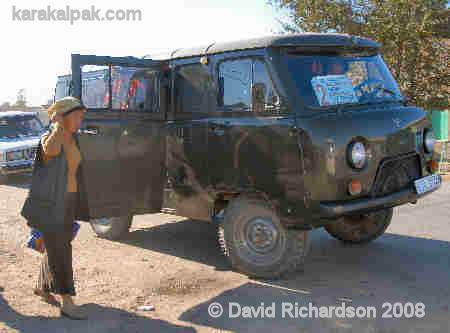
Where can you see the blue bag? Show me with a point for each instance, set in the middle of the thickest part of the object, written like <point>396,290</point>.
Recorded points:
<point>36,241</point>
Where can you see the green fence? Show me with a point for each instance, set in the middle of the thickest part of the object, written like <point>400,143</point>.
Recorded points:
<point>439,119</point>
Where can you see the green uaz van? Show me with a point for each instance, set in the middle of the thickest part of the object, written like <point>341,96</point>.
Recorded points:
<point>268,138</point>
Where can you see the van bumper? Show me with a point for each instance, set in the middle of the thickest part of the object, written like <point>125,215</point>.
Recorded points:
<point>13,168</point>
<point>333,210</point>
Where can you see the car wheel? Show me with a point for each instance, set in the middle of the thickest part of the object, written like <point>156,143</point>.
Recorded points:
<point>112,227</point>
<point>257,244</point>
<point>361,228</point>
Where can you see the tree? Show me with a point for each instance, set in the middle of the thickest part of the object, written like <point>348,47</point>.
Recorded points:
<point>21,99</point>
<point>5,106</point>
<point>413,34</point>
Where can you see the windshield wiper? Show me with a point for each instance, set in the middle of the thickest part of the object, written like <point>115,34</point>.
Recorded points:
<point>339,107</point>
<point>343,105</point>
<point>389,91</point>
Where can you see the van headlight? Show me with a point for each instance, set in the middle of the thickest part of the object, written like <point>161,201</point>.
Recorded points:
<point>429,141</point>
<point>357,155</point>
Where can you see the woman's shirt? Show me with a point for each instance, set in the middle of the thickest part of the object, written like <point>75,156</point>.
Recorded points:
<point>51,145</point>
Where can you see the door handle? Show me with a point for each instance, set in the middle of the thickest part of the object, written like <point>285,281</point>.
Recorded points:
<point>89,131</point>
<point>217,130</point>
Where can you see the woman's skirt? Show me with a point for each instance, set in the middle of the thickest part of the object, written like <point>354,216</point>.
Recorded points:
<point>56,273</point>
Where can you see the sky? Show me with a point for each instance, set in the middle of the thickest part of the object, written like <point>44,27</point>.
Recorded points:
<point>33,53</point>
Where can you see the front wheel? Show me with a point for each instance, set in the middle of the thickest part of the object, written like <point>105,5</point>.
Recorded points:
<point>361,228</point>
<point>257,244</point>
<point>112,228</point>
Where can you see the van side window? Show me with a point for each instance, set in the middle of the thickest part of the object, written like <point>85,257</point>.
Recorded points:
<point>132,89</point>
<point>235,84</point>
<point>245,84</point>
<point>264,96</point>
<point>95,86</point>
<point>63,85</point>
<point>141,92</point>
<point>135,89</point>
<point>194,88</point>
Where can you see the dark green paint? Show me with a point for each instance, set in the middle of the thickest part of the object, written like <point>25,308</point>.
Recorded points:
<point>294,157</point>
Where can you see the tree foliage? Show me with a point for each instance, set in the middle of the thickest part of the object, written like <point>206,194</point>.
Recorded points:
<point>21,99</point>
<point>414,34</point>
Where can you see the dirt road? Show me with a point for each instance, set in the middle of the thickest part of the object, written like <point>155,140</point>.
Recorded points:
<point>173,264</point>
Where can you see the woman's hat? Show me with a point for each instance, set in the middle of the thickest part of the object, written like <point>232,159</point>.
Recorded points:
<point>65,105</point>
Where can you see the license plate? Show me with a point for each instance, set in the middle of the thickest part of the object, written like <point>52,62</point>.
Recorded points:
<point>427,184</point>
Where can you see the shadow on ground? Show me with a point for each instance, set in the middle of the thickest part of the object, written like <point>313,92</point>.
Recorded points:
<point>101,319</point>
<point>394,268</point>
<point>177,239</point>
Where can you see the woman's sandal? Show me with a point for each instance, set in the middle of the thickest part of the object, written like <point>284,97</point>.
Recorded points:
<point>46,297</point>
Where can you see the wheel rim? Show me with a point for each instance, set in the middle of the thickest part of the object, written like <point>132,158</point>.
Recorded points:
<point>261,235</point>
<point>259,241</point>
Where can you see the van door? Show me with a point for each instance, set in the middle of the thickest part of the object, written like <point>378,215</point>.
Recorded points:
<point>108,87</point>
<point>187,147</point>
<point>142,143</point>
<point>250,140</point>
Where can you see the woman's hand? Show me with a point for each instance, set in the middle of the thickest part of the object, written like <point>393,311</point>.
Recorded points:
<point>57,118</point>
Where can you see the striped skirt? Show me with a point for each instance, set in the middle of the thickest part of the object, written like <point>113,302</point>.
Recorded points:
<point>56,273</point>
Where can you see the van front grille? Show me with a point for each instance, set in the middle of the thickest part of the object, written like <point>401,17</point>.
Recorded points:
<point>396,174</point>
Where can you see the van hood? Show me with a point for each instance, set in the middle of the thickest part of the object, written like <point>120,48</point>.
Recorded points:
<point>386,131</point>
<point>392,130</point>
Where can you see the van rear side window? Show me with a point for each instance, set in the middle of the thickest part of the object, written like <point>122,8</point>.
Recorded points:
<point>94,86</point>
<point>132,89</point>
<point>194,89</point>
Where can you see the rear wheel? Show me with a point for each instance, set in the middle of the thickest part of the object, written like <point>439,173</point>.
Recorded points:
<point>360,228</point>
<point>112,227</point>
<point>257,244</point>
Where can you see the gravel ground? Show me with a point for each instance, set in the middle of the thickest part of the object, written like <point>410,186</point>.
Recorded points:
<point>173,264</point>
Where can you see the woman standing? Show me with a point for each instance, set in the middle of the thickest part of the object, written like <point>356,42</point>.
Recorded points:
<point>56,274</point>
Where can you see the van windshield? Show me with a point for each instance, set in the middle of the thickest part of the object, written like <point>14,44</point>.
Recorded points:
<point>20,127</point>
<point>325,81</point>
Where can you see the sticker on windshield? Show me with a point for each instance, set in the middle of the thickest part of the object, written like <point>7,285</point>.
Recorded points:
<point>333,90</point>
